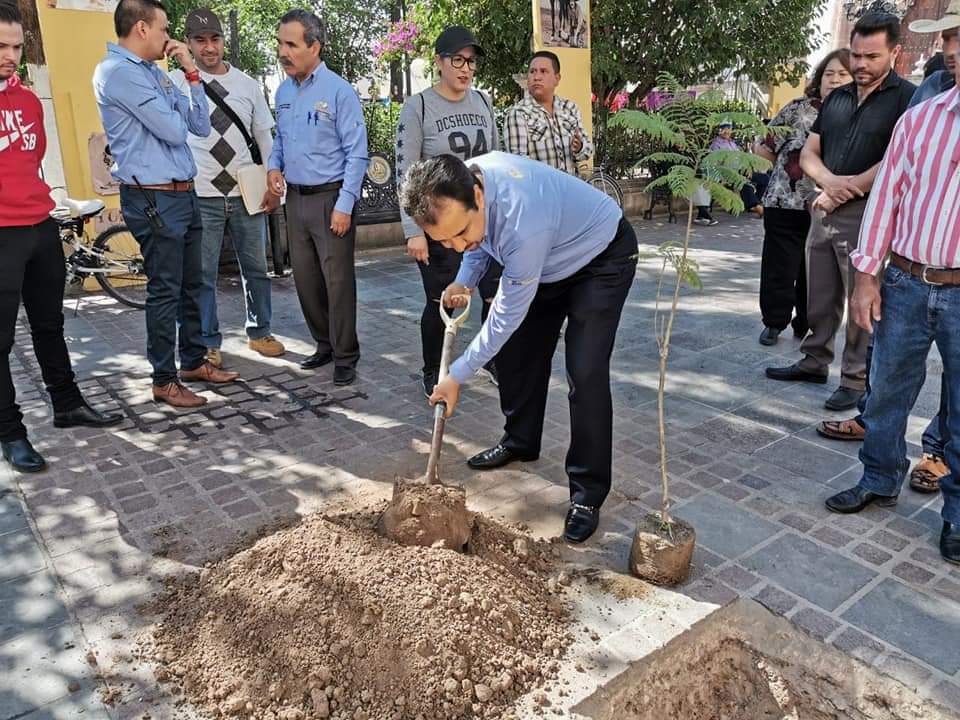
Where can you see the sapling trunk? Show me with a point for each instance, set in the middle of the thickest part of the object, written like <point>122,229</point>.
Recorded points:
<point>664,343</point>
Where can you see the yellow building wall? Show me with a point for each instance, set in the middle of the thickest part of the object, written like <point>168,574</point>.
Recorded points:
<point>74,41</point>
<point>575,79</point>
<point>781,94</point>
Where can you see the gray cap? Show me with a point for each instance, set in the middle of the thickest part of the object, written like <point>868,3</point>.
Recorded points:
<point>202,21</point>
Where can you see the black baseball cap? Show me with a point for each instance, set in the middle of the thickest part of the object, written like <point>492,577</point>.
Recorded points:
<point>202,21</point>
<point>454,39</point>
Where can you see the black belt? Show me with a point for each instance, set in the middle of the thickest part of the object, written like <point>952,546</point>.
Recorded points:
<point>314,189</point>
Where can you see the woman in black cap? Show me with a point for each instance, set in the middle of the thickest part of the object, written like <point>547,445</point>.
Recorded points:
<point>449,118</point>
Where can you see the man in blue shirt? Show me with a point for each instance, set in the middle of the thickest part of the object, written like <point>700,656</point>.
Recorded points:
<point>146,120</point>
<point>949,28</point>
<point>569,255</point>
<point>319,157</point>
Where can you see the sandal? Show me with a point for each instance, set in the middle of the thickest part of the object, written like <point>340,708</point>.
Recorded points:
<point>841,429</point>
<point>925,477</point>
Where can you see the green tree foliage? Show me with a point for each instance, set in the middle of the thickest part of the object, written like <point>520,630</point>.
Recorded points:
<point>635,40</point>
<point>352,26</point>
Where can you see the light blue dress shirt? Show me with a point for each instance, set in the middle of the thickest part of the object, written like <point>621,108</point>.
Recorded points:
<point>147,119</point>
<point>542,225</point>
<point>321,136</point>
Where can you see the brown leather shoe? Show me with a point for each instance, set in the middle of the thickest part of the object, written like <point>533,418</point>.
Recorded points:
<point>208,373</point>
<point>177,395</point>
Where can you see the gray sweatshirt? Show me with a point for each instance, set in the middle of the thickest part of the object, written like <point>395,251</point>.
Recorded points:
<point>431,125</point>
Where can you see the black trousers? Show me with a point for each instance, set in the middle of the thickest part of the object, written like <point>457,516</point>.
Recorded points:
<point>783,272</point>
<point>32,268</point>
<point>590,301</point>
<point>442,270</point>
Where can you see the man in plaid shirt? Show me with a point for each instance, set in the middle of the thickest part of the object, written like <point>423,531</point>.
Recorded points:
<point>543,126</point>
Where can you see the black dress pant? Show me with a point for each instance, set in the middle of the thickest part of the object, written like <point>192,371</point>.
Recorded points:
<point>783,272</point>
<point>32,268</point>
<point>590,301</point>
<point>442,270</point>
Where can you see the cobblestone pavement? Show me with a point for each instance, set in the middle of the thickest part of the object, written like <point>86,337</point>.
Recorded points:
<point>84,543</point>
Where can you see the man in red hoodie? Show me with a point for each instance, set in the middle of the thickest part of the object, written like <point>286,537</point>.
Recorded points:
<point>31,260</point>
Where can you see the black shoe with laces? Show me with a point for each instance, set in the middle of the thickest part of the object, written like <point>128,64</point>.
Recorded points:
<point>769,336</point>
<point>581,522</point>
<point>85,416</point>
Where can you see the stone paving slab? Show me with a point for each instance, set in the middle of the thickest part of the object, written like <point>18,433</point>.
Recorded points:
<point>82,545</point>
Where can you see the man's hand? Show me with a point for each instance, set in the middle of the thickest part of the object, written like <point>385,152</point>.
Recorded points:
<point>446,391</point>
<point>181,53</point>
<point>841,189</point>
<point>418,250</point>
<point>865,303</point>
<point>270,201</point>
<point>576,144</point>
<point>339,223</point>
<point>456,296</point>
<point>276,185</point>
<point>823,202</point>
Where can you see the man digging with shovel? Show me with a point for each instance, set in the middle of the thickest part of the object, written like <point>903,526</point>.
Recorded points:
<point>569,255</point>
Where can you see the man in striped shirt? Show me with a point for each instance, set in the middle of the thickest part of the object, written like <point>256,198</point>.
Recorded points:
<point>913,214</point>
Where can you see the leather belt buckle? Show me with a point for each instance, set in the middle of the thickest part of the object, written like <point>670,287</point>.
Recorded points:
<point>925,279</point>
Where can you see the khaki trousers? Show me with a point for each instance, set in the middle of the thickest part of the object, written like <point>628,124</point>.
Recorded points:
<point>829,288</point>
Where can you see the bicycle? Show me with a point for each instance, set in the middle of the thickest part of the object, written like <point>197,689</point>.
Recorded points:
<point>605,183</point>
<point>113,257</point>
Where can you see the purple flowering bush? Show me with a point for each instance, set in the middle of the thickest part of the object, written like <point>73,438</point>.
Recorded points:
<point>402,40</point>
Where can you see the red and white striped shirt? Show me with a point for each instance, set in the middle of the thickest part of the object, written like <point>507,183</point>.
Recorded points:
<point>914,207</point>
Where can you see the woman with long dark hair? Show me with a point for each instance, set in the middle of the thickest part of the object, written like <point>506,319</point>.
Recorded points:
<point>786,217</point>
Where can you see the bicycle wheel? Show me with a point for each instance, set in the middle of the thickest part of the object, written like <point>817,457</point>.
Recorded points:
<point>122,275</point>
<point>607,185</point>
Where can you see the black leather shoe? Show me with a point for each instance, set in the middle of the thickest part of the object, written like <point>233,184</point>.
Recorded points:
<point>843,399</point>
<point>856,499</point>
<point>950,543</point>
<point>795,373</point>
<point>497,456</point>
<point>345,375</point>
<point>430,378</point>
<point>581,523</point>
<point>85,416</point>
<point>22,456</point>
<point>769,336</point>
<point>318,359</point>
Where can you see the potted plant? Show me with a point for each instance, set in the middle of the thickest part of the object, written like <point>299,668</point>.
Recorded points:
<point>663,544</point>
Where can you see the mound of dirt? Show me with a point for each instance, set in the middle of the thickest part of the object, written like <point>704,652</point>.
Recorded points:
<point>330,620</point>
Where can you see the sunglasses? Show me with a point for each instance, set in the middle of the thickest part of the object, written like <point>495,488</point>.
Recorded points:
<point>458,61</point>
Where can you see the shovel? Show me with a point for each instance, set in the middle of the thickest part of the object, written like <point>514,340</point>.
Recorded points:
<point>429,513</point>
<point>452,324</point>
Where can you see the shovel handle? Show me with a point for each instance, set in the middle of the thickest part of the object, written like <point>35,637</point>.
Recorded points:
<point>452,324</point>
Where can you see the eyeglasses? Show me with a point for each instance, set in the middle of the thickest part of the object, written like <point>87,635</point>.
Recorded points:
<point>458,61</point>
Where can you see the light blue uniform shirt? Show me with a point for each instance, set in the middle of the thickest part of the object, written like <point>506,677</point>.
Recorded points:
<point>938,82</point>
<point>542,225</point>
<point>321,136</point>
<point>147,119</point>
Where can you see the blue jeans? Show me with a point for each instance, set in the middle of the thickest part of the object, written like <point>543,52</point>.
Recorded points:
<point>249,235</point>
<point>171,258</point>
<point>914,316</point>
<point>936,434</point>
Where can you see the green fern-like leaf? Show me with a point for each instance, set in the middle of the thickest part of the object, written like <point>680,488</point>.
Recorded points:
<point>667,157</point>
<point>654,125</point>
<point>724,197</point>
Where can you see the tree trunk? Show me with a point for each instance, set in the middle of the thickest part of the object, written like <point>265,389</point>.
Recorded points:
<point>33,42</point>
